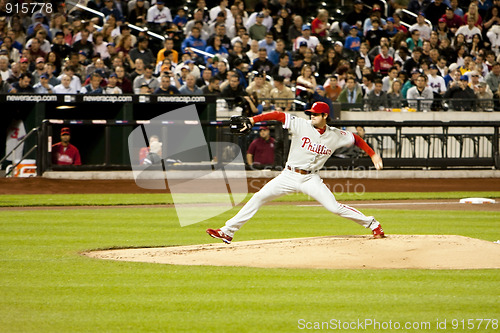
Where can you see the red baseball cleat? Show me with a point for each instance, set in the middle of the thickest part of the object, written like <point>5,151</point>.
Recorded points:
<point>217,233</point>
<point>378,232</point>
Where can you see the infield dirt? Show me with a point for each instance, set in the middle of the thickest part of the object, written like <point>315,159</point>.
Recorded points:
<point>330,252</point>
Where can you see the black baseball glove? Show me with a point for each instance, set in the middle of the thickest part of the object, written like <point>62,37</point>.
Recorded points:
<point>240,125</point>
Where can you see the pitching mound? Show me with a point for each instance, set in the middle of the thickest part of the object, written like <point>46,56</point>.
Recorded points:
<point>331,252</point>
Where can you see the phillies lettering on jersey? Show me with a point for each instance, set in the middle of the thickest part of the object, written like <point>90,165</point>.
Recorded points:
<point>315,147</point>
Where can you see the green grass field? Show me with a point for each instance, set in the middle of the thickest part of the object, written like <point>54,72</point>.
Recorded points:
<point>46,286</point>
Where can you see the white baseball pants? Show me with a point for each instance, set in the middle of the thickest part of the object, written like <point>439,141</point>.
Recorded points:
<point>292,182</point>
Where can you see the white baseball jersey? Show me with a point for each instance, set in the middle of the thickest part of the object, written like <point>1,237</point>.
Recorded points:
<point>309,150</point>
<point>436,84</point>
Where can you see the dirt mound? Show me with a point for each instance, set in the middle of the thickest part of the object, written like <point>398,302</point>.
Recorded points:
<point>330,252</point>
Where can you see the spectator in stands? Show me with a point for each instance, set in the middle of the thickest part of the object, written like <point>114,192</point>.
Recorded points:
<point>295,30</point>
<point>213,86</point>
<point>417,6</point>
<point>109,10</point>
<point>222,7</point>
<point>123,82</point>
<point>268,43</point>
<point>84,44</point>
<point>258,30</point>
<point>64,153</point>
<point>39,70</point>
<point>493,77</point>
<point>216,48</point>
<point>351,93</point>
<point>194,40</point>
<point>390,78</point>
<point>5,87</point>
<point>282,95</point>
<point>262,63</point>
<point>94,87</point>
<point>38,23</point>
<point>233,89</point>
<point>238,54</point>
<point>282,69</point>
<point>484,97</point>
<point>220,30</point>
<point>434,11</point>
<point>356,17</point>
<point>159,17</point>
<point>320,25</point>
<point>166,87</point>
<point>332,88</point>
<point>23,86</point>
<point>190,88</point>
<point>383,62</point>
<point>261,150</point>
<point>414,40</point>
<point>146,78</point>
<point>260,86</point>
<point>374,35</point>
<point>353,42</point>
<point>306,82</point>
<point>420,97</point>
<point>469,30</point>
<point>142,51</point>
<point>462,96</point>
<point>65,86</point>
<point>112,86</point>
<point>137,16</point>
<point>43,86</point>
<point>394,96</point>
<point>377,99</point>
<point>453,21</point>
<point>168,46</point>
<point>205,78</point>
<point>312,41</point>
<point>414,61</point>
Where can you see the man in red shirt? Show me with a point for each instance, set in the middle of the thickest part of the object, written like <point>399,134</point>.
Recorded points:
<point>261,150</point>
<point>64,153</point>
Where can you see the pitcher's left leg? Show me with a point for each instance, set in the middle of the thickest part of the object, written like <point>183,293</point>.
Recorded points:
<point>316,189</point>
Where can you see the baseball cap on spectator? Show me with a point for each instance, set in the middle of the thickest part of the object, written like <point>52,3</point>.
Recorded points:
<point>82,53</point>
<point>99,72</point>
<point>339,43</point>
<point>40,59</point>
<point>306,27</point>
<point>111,44</point>
<point>474,73</point>
<point>160,2</point>
<point>449,8</point>
<point>3,52</point>
<point>358,2</point>
<point>442,20</point>
<point>113,75</point>
<point>223,14</point>
<point>144,85</point>
<point>263,128</point>
<point>421,14</point>
<point>189,61</point>
<point>164,67</point>
<point>320,87</point>
<point>453,66</point>
<point>354,27</point>
<point>464,78</point>
<point>39,16</point>
<point>141,39</point>
<point>376,9</point>
<point>260,74</point>
<point>390,19</point>
<point>23,60</point>
<point>141,0</point>
<point>297,57</point>
<point>415,71</point>
<point>482,84</point>
<point>303,43</point>
<point>185,67</point>
<point>260,15</point>
<point>433,66</point>
<point>65,131</point>
<point>44,76</point>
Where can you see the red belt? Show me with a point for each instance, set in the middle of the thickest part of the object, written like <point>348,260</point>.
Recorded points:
<point>302,172</point>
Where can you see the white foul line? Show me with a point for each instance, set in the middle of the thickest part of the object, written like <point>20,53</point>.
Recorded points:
<point>392,204</point>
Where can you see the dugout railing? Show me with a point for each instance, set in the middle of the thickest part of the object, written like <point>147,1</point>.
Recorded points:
<point>408,144</point>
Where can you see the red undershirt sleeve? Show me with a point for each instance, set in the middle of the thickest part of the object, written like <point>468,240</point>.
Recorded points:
<point>358,141</point>
<point>275,115</point>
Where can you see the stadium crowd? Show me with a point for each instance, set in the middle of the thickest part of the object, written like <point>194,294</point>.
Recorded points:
<point>266,56</point>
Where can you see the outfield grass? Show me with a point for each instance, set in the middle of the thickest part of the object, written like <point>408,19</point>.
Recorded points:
<point>46,286</point>
<point>28,200</point>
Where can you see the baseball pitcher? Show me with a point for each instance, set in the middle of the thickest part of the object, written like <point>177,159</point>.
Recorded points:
<point>313,142</point>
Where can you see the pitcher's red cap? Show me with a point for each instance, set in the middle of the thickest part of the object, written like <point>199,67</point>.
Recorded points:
<point>318,107</point>
<point>65,130</point>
